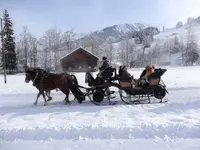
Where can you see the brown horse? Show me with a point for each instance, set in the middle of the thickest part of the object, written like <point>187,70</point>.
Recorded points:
<point>51,82</point>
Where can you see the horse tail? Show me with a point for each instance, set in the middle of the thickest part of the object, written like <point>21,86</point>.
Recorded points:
<point>75,81</point>
<point>72,82</point>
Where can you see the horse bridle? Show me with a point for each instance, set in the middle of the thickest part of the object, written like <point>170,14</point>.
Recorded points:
<point>35,77</point>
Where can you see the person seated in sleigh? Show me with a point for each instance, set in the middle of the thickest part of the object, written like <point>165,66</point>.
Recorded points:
<point>143,80</point>
<point>126,79</point>
<point>105,65</point>
<point>123,73</point>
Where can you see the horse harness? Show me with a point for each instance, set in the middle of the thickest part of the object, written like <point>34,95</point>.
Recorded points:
<point>40,76</point>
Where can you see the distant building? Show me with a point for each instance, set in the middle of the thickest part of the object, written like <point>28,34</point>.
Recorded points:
<point>79,60</point>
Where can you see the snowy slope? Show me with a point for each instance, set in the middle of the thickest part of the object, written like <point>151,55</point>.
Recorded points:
<point>168,36</point>
<point>183,34</point>
<point>173,125</point>
<point>180,32</point>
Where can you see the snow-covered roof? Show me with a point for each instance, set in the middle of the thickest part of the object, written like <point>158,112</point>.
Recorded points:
<point>78,49</point>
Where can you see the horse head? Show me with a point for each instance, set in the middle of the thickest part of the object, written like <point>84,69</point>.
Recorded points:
<point>30,74</point>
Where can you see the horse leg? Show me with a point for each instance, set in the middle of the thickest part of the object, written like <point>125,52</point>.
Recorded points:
<point>67,96</point>
<point>50,98</point>
<point>67,100</point>
<point>45,101</point>
<point>37,98</point>
<point>48,95</point>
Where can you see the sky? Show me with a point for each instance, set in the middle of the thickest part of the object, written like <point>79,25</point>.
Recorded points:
<point>90,15</point>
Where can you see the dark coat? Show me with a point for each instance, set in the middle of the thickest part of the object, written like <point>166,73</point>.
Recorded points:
<point>143,73</point>
<point>104,66</point>
<point>124,73</point>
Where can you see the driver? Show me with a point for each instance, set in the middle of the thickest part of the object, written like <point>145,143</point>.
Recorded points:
<point>104,66</point>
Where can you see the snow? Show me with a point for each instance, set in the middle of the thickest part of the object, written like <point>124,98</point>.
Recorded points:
<point>166,36</point>
<point>182,33</point>
<point>172,125</point>
<point>126,28</point>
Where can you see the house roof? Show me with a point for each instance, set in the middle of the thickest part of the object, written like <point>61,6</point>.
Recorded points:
<point>76,50</point>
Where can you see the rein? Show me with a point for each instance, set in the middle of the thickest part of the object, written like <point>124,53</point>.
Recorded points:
<point>35,77</point>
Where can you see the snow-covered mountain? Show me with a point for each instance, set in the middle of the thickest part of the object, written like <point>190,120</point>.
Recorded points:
<point>119,31</point>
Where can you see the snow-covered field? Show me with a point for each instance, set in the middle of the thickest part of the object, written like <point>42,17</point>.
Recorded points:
<point>173,125</point>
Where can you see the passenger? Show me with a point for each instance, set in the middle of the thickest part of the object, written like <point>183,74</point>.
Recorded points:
<point>149,69</point>
<point>124,73</point>
<point>126,77</point>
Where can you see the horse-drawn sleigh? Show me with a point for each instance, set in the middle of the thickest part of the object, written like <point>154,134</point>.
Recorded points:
<point>100,87</point>
<point>129,92</point>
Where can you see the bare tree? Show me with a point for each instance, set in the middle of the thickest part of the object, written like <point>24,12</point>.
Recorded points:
<point>44,54</point>
<point>51,41</point>
<point>156,53</point>
<point>179,25</point>
<point>192,53</point>
<point>33,51</point>
<point>106,48</point>
<point>128,53</point>
<point>93,43</point>
<point>182,49</point>
<point>25,44</point>
<point>45,58</point>
<point>191,50</point>
<point>167,47</point>
<point>123,52</point>
<point>35,56</point>
<point>81,42</point>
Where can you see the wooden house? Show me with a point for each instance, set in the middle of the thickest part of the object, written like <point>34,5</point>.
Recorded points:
<point>79,60</point>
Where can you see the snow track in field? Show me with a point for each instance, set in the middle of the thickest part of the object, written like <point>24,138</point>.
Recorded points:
<point>59,121</point>
<point>149,131</point>
<point>171,125</point>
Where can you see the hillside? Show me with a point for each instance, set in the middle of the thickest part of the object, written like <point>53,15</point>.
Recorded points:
<point>183,34</point>
<point>163,42</point>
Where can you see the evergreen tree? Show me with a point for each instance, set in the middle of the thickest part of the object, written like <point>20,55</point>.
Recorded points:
<point>176,46</point>
<point>9,43</point>
<point>192,54</point>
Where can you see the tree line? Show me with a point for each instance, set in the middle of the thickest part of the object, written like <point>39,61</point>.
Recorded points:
<point>137,50</point>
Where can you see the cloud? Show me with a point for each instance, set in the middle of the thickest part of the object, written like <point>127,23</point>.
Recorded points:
<point>90,15</point>
<point>172,11</point>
